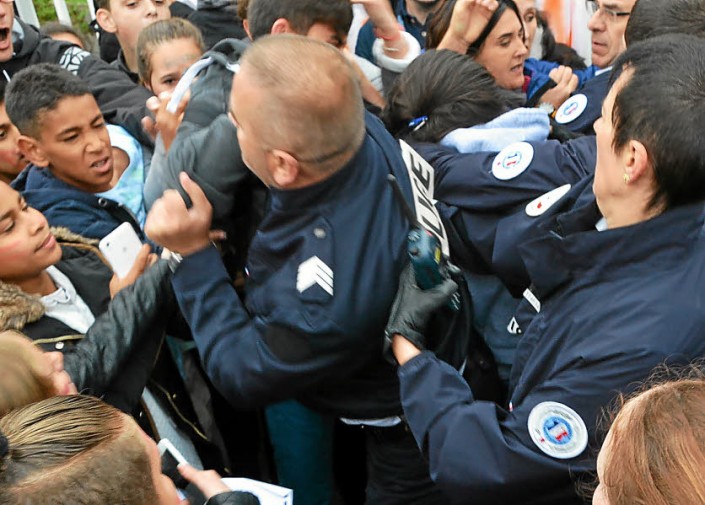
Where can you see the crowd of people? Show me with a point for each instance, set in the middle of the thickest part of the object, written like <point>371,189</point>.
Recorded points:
<point>444,256</point>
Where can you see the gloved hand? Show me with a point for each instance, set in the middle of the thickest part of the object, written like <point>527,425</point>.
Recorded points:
<point>411,310</point>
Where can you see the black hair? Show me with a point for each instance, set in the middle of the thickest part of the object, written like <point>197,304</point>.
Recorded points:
<point>301,15</point>
<point>3,86</point>
<point>651,18</point>
<point>450,90</point>
<point>36,90</point>
<point>556,51</point>
<point>662,105</point>
<point>54,28</point>
<point>437,24</point>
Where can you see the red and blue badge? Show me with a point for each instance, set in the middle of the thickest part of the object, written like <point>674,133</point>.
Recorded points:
<point>557,430</point>
<point>512,161</point>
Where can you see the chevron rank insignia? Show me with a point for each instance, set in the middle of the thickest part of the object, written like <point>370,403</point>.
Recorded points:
<point>313,272</point>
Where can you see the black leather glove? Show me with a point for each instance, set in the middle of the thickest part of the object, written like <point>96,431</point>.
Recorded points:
<point>411,310</point>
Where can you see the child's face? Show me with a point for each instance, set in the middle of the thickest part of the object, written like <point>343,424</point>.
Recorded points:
<point>74,144</point>
<point>169,61</point>
<point>11,159</point>
<point>7,17</point>
<point>127,18</point>
<point>27,247</point>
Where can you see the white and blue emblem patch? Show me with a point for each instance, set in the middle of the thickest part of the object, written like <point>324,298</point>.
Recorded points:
<point>557,430</point>
<point>512,161</point>
<point>571,109</point>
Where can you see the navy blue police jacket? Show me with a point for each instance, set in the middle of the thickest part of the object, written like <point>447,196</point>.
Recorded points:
<point>323,269</point>
<point>611,304</point>
<point>474,191</point>
<point>580,111</point>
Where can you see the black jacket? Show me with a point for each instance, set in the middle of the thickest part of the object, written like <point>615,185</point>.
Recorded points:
<point>115,357</point>
<point>121,101</point>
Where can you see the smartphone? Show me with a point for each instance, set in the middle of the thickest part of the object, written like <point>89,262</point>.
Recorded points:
<point>121,247</point>
<point>171,459</point>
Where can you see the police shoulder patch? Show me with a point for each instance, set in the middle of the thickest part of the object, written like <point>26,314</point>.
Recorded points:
<point>557,430</point>
<point>512,161</point>
<point>544,202</point>
<point>571,109</point>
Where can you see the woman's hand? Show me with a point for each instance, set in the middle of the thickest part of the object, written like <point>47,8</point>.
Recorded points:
<point>144,259</point>
<point>469,19</point>
<point>566,82</point>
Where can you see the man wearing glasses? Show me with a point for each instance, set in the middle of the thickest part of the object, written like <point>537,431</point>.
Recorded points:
<point>607,24</point>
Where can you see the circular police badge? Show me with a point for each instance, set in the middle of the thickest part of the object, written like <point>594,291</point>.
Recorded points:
<point>544,202</point>
<point>571,109</point>
<point>557,430</point>
<point>512,161</point>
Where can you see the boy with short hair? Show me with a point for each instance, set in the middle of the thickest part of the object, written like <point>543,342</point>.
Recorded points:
<point>11,159</point>
<point>126,19</point>
<point>65,138</point>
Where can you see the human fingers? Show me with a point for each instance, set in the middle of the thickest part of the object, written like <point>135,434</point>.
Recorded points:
<point>199,201</point>
<point>207,481</point>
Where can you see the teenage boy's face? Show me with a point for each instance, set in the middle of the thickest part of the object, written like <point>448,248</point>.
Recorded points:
<point>27,247</point>
<point>74,144</point>
<point>11,160</point>
<point>127,18</point>
<point>7,17</point>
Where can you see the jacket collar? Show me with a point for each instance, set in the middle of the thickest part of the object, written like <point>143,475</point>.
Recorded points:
<point>17,308</point>
<point>570,247</point>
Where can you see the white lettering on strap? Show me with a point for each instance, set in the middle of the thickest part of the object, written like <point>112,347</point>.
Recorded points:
<point>421,175</point>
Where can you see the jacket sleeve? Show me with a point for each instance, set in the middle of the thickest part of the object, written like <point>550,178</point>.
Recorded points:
<point>131,329</point>
<point>486,455</point>
<point>472,199</point>
<point>254,361</point>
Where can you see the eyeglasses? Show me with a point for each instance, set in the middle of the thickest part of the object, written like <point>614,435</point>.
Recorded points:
<point>609,14</point>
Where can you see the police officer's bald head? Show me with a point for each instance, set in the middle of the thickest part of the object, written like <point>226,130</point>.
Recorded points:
<point>312,103</point>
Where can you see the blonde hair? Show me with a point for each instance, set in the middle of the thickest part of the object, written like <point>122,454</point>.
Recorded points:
<point>24,378</point>
<point>73,449</point>
<point>656,450</point>
<point>156,34</point>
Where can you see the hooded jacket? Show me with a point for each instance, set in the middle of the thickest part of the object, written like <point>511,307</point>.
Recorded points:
<point>115,356</point>
<point>64,205</point>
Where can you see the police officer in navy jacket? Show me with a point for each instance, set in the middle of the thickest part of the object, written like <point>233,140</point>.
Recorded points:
<point>324,264</point>
<point>613,269</point>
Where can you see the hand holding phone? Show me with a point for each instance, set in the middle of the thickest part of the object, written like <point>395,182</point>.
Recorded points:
<point>171,459</point>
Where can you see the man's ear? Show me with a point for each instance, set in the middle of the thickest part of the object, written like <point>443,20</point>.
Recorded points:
<point>246,26</point>
<point>105,20</point>
<point>283,167</point>
<point>32,151</point>
<point>636,160</point>
<point>280,26</point>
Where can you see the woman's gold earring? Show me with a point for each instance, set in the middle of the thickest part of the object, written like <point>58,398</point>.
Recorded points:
<point>626,178</point>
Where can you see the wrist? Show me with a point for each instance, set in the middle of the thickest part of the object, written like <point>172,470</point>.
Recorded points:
<point>389,33</point>
<point>403,349</point>
<point>192,248</point>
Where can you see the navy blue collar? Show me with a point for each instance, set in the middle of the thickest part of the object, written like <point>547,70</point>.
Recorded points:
<point>572,248</point>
